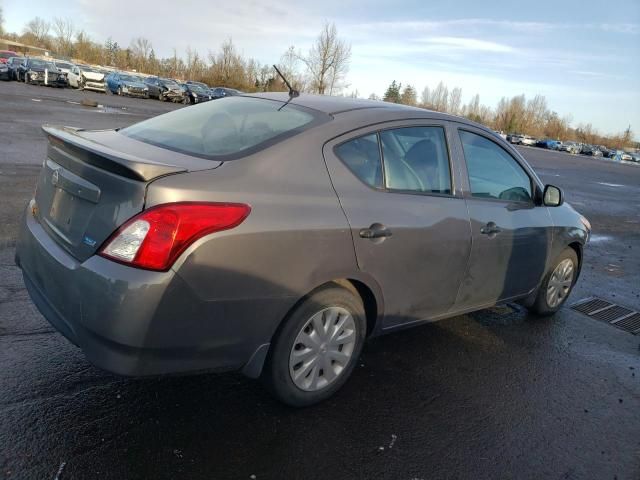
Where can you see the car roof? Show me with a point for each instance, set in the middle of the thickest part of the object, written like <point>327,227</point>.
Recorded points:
<point>363,111</point>
<point>331,105</point>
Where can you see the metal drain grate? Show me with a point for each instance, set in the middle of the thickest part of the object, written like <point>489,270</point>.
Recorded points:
<point>630,323</point>
<point>616,315</point>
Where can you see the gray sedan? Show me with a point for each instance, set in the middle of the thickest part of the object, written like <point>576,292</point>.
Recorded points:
<point>274,235</point>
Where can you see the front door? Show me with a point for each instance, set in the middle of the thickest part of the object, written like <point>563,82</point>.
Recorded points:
<point>410,227</point>
<point>510,232</point>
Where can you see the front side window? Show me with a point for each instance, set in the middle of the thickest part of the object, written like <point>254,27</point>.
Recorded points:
<point>416,159</point>
<point>494,173</point>
<point>362,156</point>
<point>225,129</point>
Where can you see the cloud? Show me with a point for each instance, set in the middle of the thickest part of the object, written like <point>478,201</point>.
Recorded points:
<point>468,44</point>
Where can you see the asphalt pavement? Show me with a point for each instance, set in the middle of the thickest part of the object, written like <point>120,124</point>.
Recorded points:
<point>494,394</point>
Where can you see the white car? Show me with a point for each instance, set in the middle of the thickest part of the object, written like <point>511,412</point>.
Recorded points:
<point>527,140</point>
<point>570,147</point>
<point>64,67</point>
<point>86,78</point>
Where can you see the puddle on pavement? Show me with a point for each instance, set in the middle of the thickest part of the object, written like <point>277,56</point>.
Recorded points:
<point>104,109</point>
<point>610,184</point>
<point>600,238</point>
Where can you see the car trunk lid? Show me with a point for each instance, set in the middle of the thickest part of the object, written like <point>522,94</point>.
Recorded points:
<point>88,186</point>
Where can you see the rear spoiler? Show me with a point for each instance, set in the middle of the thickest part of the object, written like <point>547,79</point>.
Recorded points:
<point>66,141</point>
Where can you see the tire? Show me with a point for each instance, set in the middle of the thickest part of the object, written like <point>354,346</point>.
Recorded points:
<point>27,80</point>
<point>542,305</point>
<point>329,307</point>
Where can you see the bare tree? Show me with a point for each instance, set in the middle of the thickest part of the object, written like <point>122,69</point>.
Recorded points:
<point>289,66</point>
<point>455,101</point>
<point>63,29</point>
<point>38,29</point>
<point>328,60</point>
<point>439,98</point>
<point>425,98</point>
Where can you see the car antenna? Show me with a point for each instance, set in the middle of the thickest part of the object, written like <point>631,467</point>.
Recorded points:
<point>293,93</point>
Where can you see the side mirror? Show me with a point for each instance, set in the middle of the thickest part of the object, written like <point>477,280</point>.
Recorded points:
<point>553,196</point>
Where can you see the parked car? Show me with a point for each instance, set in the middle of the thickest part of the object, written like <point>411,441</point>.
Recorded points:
<point>548,144</point>
<point>5,74</point>
<point>13,63</point>
<point>254,234</point>
<point>626,156</point>
<point>593,151</point>
<point>126,84</point>
<point>515,138</point>
<point>201,84</point>
<point>527,140</point>
<point>64,67</point>
<point>635,157</point>
<point>40,72</point>
<point>6,55</point>
<point>221,92</point>
<point>85,77</point>
<point>164,89</point>
<point>194,93</point>
<point>570,147</point>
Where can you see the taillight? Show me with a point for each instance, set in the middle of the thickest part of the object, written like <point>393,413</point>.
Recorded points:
<point>155,238</point>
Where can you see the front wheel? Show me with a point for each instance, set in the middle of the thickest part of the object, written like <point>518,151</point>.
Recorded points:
<point>557,284</point>
<point>317,347</point>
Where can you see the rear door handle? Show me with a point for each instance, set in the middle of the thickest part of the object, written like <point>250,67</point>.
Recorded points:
<point>490,229</point>
<point>375,231</point>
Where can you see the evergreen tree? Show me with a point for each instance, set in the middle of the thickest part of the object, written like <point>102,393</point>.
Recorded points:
<point>393,93</point>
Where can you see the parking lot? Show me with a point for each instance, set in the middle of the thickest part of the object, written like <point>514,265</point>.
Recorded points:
<point>494,394</point>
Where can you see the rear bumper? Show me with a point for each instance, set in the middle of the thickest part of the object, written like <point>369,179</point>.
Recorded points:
<point>134,322</point>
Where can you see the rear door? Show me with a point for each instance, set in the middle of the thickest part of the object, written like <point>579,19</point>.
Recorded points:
<point>409,224</point>
<point>511,234</point>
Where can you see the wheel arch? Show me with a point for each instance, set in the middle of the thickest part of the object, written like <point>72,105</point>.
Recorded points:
<point>366,289</point>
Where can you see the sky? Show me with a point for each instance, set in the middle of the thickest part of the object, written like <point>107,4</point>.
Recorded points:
<point>584,56</point>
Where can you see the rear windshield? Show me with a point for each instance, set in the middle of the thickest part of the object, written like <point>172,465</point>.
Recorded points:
<point>227,128</point>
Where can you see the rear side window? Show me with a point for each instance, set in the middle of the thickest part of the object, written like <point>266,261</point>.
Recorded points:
<point>416,159</point>
<point>227,128</point>
<point>494,173</point>
<point>362,156</point>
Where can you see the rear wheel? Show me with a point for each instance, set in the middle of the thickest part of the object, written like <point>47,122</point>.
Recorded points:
<point>316,349</point>
<point>557,284</point>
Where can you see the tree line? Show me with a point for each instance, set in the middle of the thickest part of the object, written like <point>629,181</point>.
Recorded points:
<point>323,69</point>
<point>511,115</point>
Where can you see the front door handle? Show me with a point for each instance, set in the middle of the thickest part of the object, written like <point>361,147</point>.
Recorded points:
<point>376,230</point>
<point>490,229</point>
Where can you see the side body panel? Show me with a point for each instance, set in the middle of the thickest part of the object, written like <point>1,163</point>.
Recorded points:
<point>295,238</point>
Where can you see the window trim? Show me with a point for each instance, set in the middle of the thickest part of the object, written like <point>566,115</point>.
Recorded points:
<point>533,185</point>
<point>384,188</point>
